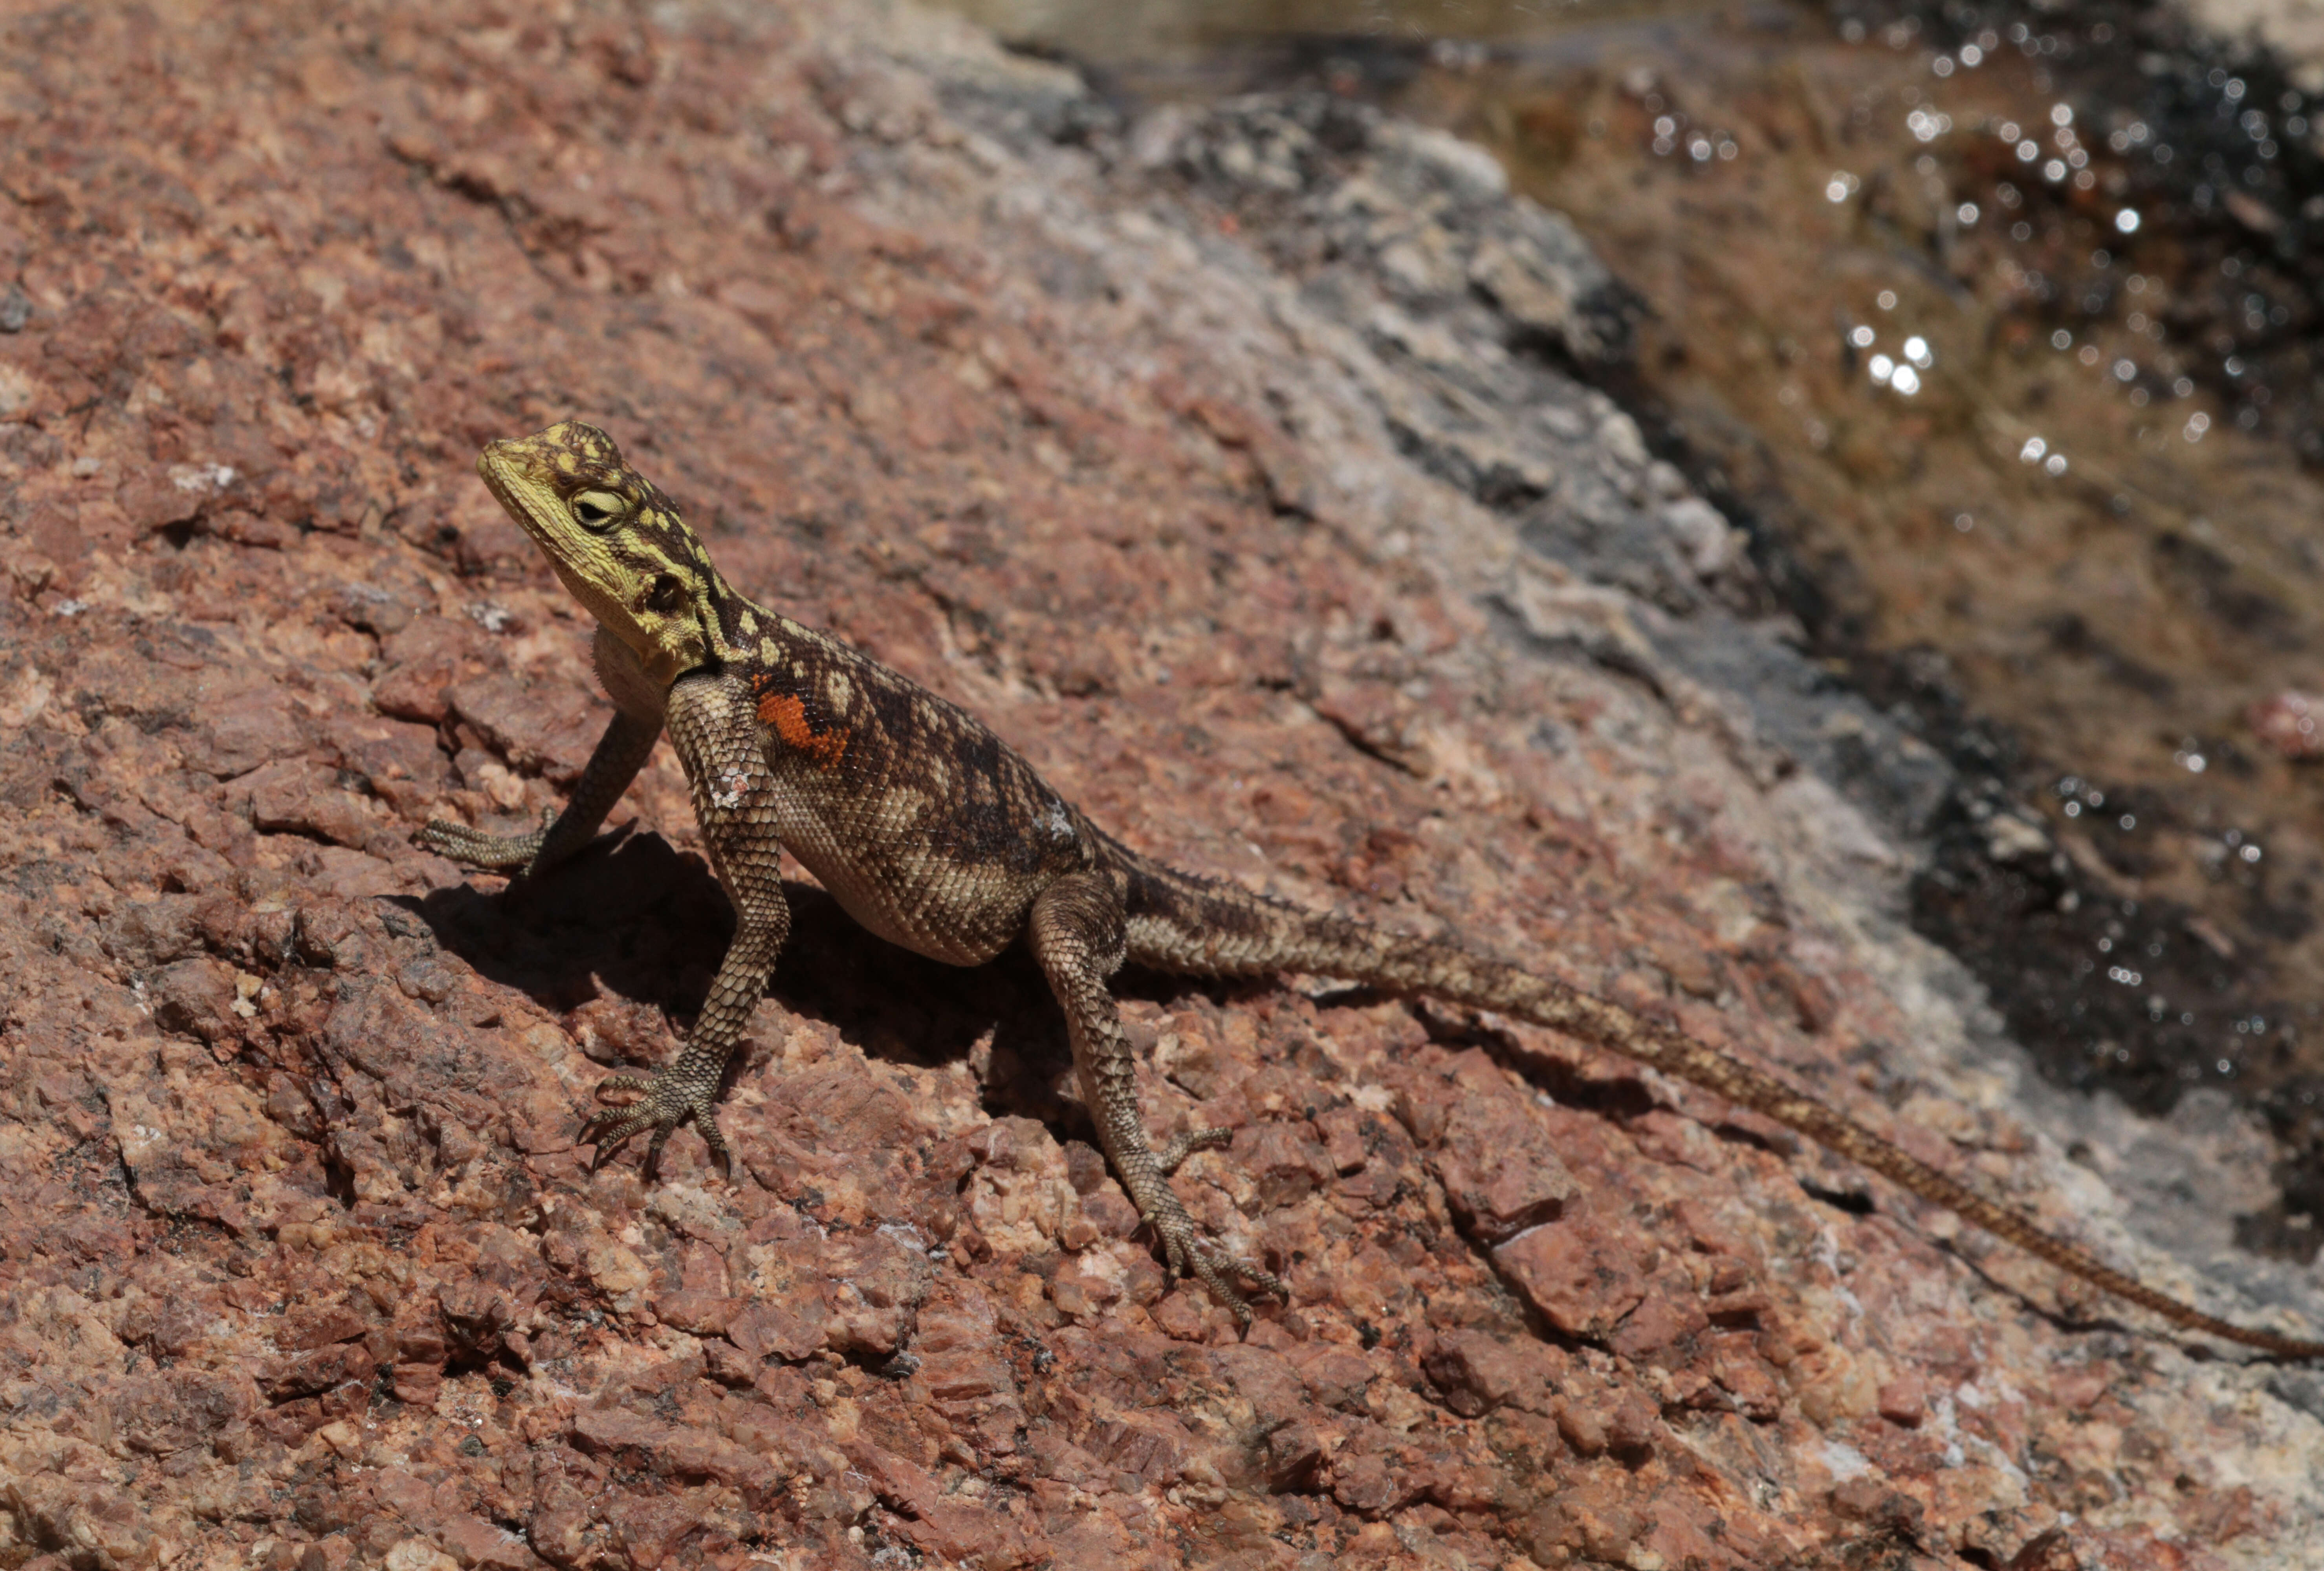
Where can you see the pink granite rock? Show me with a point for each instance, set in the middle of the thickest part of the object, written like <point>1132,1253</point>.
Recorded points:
<point>301,1268</point>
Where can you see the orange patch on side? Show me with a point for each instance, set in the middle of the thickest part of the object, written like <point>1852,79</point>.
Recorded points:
<point>788,715</point>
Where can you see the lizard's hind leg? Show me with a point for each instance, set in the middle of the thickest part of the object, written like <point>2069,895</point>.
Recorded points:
<point>1076,929</point>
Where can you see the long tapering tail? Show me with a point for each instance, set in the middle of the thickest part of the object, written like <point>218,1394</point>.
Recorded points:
<point>1180,922</point>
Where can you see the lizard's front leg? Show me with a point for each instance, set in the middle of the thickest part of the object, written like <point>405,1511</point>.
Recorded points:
<point>1077,930</point>
<point>618,756</point>
<point>714,728</point>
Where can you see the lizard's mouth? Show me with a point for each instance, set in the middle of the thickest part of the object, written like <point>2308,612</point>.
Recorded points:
<point>512,473</point>
<point>493,466</point>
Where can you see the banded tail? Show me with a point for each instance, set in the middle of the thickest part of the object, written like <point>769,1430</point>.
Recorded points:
<point>1180,922</point>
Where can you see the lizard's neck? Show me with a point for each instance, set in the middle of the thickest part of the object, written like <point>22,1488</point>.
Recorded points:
<point>732,630</point>
<point>725,630</point>
<point>735,632</point>
<point>746,634</point>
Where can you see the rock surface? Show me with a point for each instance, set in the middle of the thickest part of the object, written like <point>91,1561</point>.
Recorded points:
<point>1226,463</point>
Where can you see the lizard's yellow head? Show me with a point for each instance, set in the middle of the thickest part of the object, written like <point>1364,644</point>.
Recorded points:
<point>614,538</point>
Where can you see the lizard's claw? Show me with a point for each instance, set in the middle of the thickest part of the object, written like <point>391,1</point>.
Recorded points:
<point>1187,1250</point>
<point>669,1101</point>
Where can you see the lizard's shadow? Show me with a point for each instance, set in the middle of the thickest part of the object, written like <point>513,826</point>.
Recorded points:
<point>643,922</point>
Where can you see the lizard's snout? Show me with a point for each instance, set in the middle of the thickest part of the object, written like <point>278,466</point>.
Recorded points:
<point>511,457</point>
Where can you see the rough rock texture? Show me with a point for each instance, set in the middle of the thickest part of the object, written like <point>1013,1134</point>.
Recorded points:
<point>1224,464</point>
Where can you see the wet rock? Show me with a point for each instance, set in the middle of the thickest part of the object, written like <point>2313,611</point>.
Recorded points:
<point>2010,838</point>
<point>2291,723</point>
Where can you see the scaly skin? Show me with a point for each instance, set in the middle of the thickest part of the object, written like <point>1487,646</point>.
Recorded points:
<point>933,833</point>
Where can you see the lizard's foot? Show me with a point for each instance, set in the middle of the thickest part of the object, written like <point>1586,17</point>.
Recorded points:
<point>1187,1250</point>
<point>499,852</point>
<point>670,1100</point>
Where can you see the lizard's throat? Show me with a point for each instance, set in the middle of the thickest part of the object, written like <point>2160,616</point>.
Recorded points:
<point>665,648</point>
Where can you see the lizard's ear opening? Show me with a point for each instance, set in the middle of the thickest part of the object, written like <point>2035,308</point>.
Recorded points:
<point>597,510</point>
<point>666,595</point>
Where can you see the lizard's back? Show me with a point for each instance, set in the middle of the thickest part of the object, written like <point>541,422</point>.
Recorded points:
<point>925,826</point>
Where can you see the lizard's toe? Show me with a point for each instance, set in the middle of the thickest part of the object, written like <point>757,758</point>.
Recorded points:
<point>499,853</point>
<point>612,1137</point>
<point>668,1102</point>
<point>1189,1252</point>
<point>1168,1158</point>
<point>652,1163</point>
<point>720,1156</point>
<point>1221,1271</point>
<point>1215,1279</point>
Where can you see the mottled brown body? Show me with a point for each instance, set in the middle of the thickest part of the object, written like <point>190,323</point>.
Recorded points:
<point>935,834</point>
<point>919,820</point>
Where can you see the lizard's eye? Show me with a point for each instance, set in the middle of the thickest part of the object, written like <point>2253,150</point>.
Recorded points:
<point>597,509</point>
<point>666,595</point>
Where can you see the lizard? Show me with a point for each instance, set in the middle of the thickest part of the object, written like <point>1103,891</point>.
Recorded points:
<point>935,834</point>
